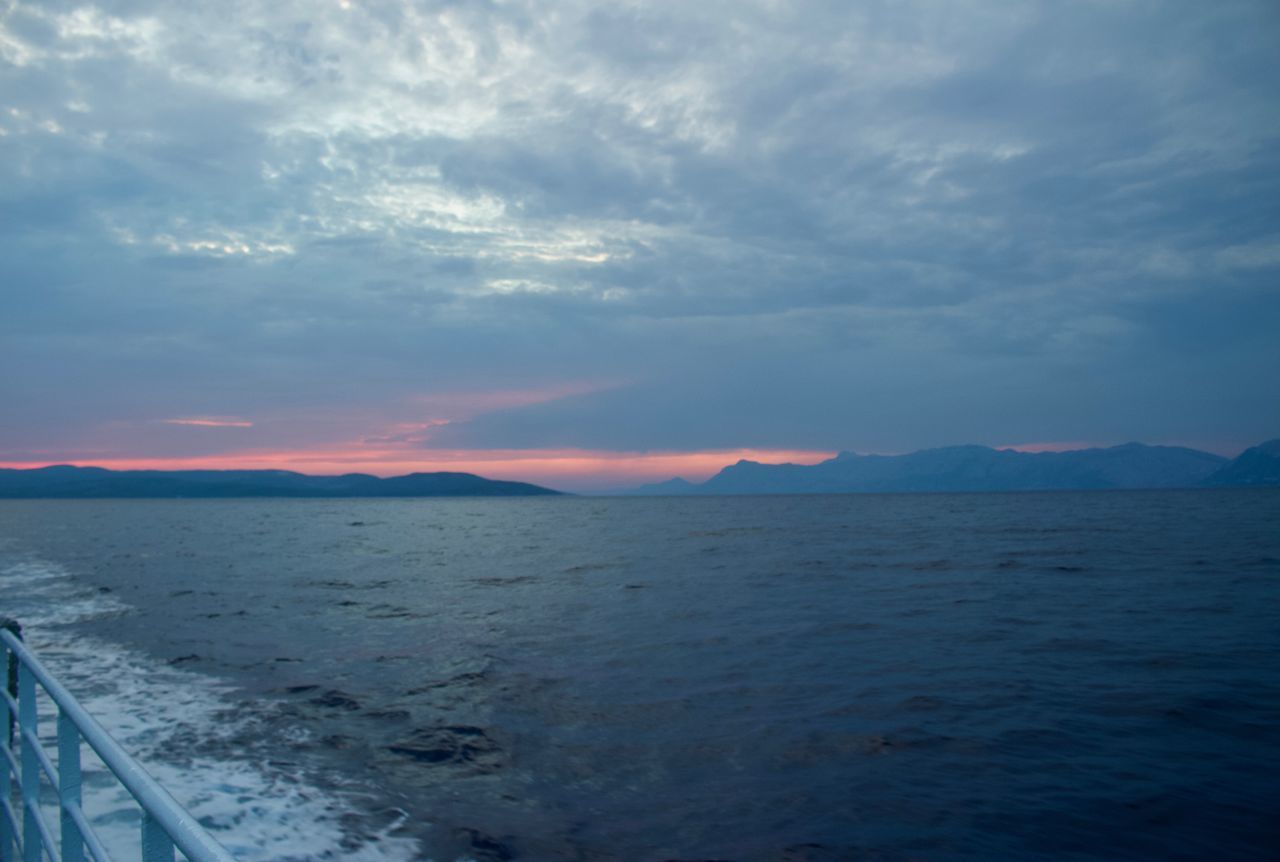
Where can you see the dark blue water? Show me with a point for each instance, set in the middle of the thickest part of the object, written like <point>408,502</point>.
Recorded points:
<point>1082,676</point>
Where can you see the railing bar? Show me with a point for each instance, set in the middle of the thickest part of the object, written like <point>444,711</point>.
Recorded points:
<point>185,831</point>
<point>69,784</point>
<point>42,757</point>
<point>13,761</point>
<point>9,823</point>
<point>46,836</point>
<point>10,844</point>
<point>9,840</point>
<point>13,822</point>
<point>91,840</point>
<point>96,849</point>
<point>32,821</point>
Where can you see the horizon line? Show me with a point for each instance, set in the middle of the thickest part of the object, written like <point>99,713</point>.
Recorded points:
<point>575,470</point>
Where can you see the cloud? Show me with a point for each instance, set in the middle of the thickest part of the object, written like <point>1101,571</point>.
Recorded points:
<point>210,422</point>
<point>1261,254</point>
<point>821,226</point>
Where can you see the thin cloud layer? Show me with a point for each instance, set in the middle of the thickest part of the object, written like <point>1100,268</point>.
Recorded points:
<point>682,227</point>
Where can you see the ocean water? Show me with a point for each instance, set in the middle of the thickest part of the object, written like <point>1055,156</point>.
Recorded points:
<point>1077,676</point>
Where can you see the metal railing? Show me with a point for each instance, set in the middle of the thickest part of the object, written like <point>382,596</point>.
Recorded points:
<point>165,823</point>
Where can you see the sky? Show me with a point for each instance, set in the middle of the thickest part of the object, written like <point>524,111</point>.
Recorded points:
<point>592,244</point>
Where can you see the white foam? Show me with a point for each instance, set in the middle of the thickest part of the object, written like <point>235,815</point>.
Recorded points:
<point>164,717</point>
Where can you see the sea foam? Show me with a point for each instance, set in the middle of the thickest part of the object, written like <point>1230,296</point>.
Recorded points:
<point>173,721</point>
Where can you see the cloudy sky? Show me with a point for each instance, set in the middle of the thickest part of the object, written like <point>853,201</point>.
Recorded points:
<point>591,243</point>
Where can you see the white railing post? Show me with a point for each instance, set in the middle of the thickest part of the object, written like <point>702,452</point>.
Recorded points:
<point>31,845</point>
<point>7,838</point>
<point>69,787</point>
<point>6,831</point>
<point>166,826</point>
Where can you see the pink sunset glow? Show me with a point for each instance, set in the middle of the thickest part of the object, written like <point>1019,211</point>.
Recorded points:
<point>387,440</point>
<point>210,422</point>
<point>564,469</point>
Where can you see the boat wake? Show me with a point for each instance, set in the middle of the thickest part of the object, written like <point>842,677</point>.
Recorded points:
<point>220,757</point>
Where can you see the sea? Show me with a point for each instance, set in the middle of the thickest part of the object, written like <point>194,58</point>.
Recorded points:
<point>1003,676</point>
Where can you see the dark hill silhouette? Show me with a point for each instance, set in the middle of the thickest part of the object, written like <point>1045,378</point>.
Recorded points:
<point>965,468</point>
<point>64,481</point>
<point>1257,466</point>
<point>669,488</point>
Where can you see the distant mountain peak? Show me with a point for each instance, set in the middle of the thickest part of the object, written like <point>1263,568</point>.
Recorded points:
<point>1258,466</point>
<point>973,467</point>
<point>671,487</point>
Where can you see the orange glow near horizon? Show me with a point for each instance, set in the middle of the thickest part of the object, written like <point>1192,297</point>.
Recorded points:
<point>567,469</point>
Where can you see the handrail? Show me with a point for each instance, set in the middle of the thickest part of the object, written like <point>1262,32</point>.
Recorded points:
<point>165,823</point>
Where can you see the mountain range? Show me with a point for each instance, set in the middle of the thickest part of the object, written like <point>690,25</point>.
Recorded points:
<point>64,481</point>
<point>951,468</point>
<point>980,468</point>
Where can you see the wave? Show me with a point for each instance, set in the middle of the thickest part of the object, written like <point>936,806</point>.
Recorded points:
<point>218,756</point>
